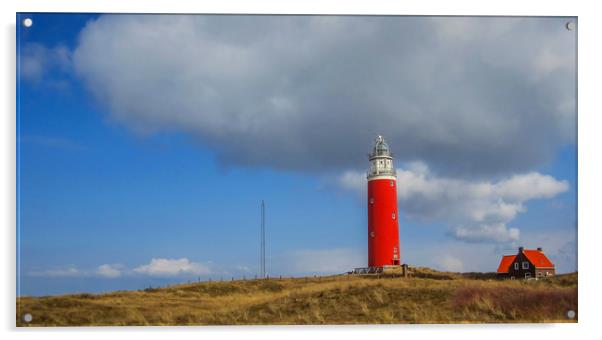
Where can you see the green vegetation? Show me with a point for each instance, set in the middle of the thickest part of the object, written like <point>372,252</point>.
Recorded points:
<point>428,297</point>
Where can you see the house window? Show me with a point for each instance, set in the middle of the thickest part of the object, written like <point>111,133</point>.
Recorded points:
<point>511,277</point>
<point>527,275</point>
<point>525,265</point>
<point>515,265</point>
<point>393,215</point>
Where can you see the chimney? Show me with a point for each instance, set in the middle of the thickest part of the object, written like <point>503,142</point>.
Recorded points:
<point>520,249</point>
<point>540,249</point>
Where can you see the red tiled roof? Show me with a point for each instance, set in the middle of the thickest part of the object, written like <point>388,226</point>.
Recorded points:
<point>505,264</point>
<point>538,259</point>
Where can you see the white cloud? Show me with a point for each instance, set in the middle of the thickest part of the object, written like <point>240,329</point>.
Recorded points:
<point>316,261</point>
<point>530,186</point>
<point>37,61</point>
<point>159,267</point>
<point>450,263</point>
<point>70,271</point>
<point>241,268</point>
<point>252,87</point>
<point>478,210</point>
<point>172,267</point>
<point>109,270</point>
<point>498,232</point>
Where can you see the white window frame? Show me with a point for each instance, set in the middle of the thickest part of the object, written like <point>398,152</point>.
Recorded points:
<point>525,265</point>
<point>527,275</point>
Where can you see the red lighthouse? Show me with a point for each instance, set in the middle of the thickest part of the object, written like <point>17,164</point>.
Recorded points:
<point>383,230</point>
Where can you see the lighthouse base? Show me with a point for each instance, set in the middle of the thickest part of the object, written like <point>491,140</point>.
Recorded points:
<point>396,270</point>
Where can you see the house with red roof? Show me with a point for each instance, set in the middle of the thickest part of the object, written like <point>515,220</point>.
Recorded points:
<point>526,264</point>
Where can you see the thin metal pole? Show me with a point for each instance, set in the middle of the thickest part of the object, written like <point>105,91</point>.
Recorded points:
<point>261,242</point>
<point>262,239</point>
<point>264,268</point>
<point>264,245</point>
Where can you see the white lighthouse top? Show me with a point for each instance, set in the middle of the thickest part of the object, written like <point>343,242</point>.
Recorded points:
<point>380,148</point>
<point>381,160</point>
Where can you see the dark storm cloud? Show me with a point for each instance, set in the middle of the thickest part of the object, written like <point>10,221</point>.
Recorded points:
<point>469,96</point>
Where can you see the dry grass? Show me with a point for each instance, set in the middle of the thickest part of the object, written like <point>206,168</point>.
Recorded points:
<point>432,297</point>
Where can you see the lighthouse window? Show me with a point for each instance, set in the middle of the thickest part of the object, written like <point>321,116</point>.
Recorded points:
<point>371,200</point>
<point>392,183</point>
<point>371,234</point>
<point>395,249</point>
<point>393,215</point>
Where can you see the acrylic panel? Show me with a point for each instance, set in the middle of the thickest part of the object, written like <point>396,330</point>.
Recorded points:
<point>197,169</point>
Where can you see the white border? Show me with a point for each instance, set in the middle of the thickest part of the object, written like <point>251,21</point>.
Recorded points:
<point>590,169</point>
<point>382,177</point>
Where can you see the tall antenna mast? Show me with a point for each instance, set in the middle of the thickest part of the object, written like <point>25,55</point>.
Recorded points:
<point>262,250</point>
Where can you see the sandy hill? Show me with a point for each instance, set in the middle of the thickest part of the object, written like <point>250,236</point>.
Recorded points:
<point>428,297</point>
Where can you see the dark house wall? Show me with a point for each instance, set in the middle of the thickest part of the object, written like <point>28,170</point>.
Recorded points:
<point>532,272</point>
<point>520,272</point>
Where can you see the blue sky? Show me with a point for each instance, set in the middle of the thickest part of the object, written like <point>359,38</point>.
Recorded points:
<point>146,144</point>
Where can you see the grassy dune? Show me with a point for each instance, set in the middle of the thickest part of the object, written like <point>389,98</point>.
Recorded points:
<point>430,297</point>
